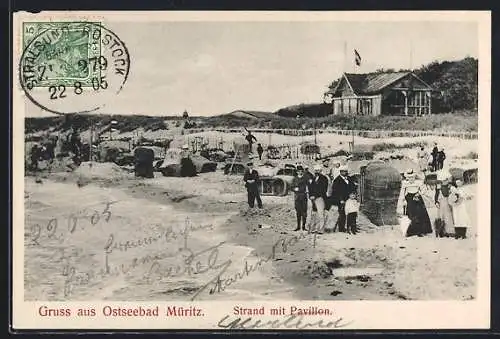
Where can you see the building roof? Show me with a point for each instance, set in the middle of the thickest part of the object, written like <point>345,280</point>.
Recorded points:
<point>370,83</point>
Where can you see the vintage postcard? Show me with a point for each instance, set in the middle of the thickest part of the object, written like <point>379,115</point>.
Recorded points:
<point>251,170</point>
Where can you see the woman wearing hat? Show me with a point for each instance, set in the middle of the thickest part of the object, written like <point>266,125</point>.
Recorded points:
<point>444,224</point>
<point>412,204</point>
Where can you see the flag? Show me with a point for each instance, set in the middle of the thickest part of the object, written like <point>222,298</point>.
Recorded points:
<point>357,58</point>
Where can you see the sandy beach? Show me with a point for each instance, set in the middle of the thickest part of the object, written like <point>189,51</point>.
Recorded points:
<point>100,234</point>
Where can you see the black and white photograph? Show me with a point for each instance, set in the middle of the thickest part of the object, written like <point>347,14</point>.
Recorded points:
<point>251,171</point>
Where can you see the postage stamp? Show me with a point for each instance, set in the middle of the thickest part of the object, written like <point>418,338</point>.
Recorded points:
<point>71,67</point>
<point>68,50</point>
<point>251,170</point>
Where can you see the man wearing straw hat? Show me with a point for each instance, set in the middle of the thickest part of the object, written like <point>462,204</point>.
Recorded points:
<point>342,186</point>
<point>334,171</point>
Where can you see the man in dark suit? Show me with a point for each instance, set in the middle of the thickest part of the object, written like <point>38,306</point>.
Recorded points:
<point>341,188</point>
<point>434,154</point>
<point>260,150</point>
<point>317,194</point>
<point>252,181</point>
<point>441,157</point>
<point>300,188</point>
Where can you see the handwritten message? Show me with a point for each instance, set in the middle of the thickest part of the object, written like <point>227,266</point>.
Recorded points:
<point>181,261</point>
<point>176,257</point>
<point>79,220</point>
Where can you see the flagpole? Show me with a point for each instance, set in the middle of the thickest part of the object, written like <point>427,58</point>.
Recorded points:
<point>345,57</point>
<point>357,64</point>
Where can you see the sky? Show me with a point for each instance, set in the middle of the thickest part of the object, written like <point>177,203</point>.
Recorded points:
<point>211,68</point>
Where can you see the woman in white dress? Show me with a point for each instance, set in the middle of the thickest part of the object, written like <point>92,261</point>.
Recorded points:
<point>444,223</point>
<point>423,160</point>
<point>458,198</point>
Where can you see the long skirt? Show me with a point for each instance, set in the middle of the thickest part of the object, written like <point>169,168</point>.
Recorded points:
<point>417,213</point>
<point>445,215</point>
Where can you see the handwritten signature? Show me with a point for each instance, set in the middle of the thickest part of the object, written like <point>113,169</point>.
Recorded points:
<point>191,264</point>
<point>219,284</point>
<point>290,322</point>
<point>53,231</point>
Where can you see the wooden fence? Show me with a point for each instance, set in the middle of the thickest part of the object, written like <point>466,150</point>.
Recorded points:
<point>358,133</point>
<point>285,151</point>
<point>293,152</point>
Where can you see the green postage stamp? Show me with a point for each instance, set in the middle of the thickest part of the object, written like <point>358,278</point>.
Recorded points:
<point>68,51</point>
<point>71,66</point>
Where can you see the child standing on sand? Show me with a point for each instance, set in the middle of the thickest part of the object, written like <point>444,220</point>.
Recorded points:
<point>351,211</point>
<point>458,198</point>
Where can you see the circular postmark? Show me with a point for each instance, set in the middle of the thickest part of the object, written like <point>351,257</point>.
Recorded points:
<point>72,67</point>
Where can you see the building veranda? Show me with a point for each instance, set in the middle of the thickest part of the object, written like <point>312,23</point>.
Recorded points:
<point>381,93</point>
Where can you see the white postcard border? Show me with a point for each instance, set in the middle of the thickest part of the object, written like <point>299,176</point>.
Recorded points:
<point>358,314</point>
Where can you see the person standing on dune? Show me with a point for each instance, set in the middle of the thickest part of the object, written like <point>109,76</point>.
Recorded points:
<point>250,138</point>
<point>434,155</point>
<point>260,150</point>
